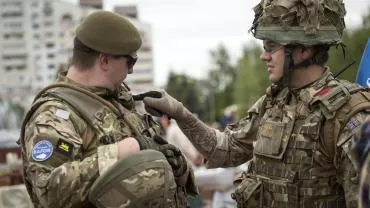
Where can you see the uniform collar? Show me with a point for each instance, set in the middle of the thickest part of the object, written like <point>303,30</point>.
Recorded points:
<point>122,92</point>
<point>305,93</point>
<point>316,88</point>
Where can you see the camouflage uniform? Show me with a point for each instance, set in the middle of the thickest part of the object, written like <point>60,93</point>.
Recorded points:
<point>80,152</point>
<point>301,153</point>
<point>69,136</point>
<point>300,141</point>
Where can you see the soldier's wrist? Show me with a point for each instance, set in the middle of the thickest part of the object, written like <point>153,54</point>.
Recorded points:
<point>143,144</point>
<point>127,147</point>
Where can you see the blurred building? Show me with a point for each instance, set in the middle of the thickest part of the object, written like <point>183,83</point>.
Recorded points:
<point>142,79</point>
<point>97,4</point>
<point>36,41</point>
<point>36,38</point>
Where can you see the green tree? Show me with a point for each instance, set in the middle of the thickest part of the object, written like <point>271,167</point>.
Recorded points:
<point>251,81</point>
<point>221,78</point>
<point>355,41</point>
<point>187,90</point>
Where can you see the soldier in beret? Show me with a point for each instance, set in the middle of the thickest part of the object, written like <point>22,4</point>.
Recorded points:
<point>299,136</point>
<point>82,128</point>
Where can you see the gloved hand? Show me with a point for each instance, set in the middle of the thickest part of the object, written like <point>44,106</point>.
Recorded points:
<point>147,143</point>
<point>173,155</point>
<point>163,105</point>
<point>140,97</point>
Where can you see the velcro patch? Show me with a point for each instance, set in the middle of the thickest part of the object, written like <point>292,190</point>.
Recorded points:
<point>64,147</point>
<point>353,123</point>
<point>266,130</point>
<point>62,114</point>
<point>323,92</point>
<point>42,150</point>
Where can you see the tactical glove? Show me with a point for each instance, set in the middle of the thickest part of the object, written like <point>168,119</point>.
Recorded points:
<point>153,94</point>
<point>147,143</point>
<point>163,105</point>
<point>173,155</point>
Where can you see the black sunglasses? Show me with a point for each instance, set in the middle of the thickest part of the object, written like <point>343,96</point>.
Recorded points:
<point>131,60</point>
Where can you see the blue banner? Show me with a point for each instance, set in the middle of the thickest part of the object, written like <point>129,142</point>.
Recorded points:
<point>363,73</point>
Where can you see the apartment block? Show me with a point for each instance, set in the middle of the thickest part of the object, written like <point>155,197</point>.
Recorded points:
<point>36,38</point>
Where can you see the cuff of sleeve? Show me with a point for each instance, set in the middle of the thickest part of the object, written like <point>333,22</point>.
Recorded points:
<point>107,156</point>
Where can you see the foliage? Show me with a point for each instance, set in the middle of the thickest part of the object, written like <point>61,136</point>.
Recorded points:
<point>221,78</point>
<point>251,81</point>
<point>187,90</point>
<point>355,42</point>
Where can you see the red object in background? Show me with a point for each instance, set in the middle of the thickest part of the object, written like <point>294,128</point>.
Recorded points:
<point>4,151</point>
<point>9,176</point>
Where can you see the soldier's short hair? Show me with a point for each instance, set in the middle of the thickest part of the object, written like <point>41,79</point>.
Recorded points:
<point>83,56</point>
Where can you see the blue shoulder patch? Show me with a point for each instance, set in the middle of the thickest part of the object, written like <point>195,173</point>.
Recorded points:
<point>42,150</point>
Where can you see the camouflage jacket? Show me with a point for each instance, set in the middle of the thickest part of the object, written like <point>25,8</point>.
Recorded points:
<point>300,142</point>
<point>63,153</point>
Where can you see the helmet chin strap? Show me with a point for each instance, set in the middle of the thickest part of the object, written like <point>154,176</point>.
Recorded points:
<point>284,81</point>
<point>289,66</point>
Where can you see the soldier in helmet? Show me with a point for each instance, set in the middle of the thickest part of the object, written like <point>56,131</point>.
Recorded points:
<point>299,135</point>
<point>84,127</point>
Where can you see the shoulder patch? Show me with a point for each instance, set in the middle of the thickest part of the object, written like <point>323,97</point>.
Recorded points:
<point>353,123</point>
<point>42,150</point>
<point>64,147</point>
<point>324,91</point>
<point>62,114</point>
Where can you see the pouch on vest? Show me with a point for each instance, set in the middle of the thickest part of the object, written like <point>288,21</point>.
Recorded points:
<point>273,138</point>
<point>248,191</point>
<point>274,132</point>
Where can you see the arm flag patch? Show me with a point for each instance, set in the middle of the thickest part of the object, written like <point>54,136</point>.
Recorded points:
<point>64,147</point>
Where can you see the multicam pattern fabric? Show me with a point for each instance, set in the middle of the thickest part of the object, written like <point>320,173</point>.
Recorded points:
<point>306,22</point>
<point>296,160</point>
<point>310,14</point>
<point>144,179</point>
<point>84,153</point>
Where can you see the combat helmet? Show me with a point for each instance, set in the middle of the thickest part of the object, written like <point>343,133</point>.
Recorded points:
<point>144,179</point>
<point>109,33</point>
<point>299,22</point>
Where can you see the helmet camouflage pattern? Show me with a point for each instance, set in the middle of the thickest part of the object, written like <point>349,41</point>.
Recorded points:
<point>144,179</point>
<point>300,22</point>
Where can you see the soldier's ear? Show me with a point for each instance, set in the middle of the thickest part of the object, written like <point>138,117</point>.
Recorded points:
<point>103,61</point>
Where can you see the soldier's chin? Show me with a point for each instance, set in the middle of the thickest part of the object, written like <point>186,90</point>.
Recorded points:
<point>273,79</point>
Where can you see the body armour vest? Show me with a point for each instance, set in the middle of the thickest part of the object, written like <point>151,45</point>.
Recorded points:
<point>107,121</point>
<point>294,152</point>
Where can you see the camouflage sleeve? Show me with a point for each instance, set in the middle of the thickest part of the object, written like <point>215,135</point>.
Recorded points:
<point>230,148</point>
<point>58,172</point>
<point>346,159</point>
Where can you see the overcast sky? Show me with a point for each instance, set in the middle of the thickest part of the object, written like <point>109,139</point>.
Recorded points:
<point>184,31</point>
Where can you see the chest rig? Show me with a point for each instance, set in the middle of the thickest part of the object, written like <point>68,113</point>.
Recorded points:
<point>107,121</point>
<point>295,147</point>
